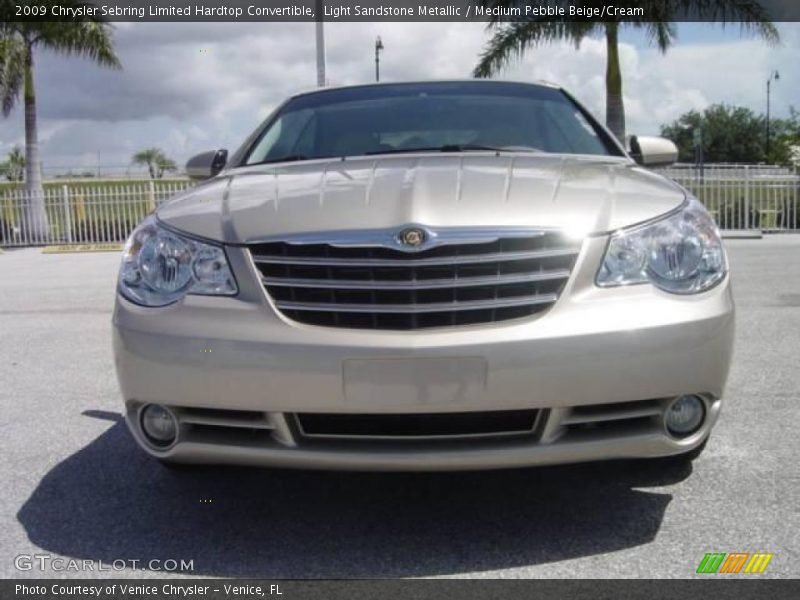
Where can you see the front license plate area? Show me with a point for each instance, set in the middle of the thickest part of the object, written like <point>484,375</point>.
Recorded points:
<point>414,382</point>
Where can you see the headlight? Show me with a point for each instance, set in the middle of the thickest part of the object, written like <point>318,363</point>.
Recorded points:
<point>160,267</point>
<point>681,254</point>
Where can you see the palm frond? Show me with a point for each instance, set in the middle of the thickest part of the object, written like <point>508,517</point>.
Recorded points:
<point>751,16</point>
<point>662,34</point>
<point>12,71</point>
<point>87,39</point>
<point>513,39</point>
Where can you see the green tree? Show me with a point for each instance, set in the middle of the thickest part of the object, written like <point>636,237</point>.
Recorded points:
<point>515,35</point>
<point>733,134</point>
<point>13,168</point>
<point>86,37</point>
<point>156,161</point>
<point>785,136</point>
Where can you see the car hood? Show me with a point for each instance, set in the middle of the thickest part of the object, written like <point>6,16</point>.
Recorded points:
<point>580,194</point>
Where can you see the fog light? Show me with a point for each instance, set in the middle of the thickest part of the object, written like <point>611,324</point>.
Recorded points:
<point>159,425</point>
<point>685,415</point>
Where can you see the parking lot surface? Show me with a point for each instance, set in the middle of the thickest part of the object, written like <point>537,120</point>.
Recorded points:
<point>76,486</point>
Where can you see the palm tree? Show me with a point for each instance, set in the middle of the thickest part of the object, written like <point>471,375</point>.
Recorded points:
<point>14,167</point>
<point>514,37</point>
<point>87,38</point>
<point>156,161</point>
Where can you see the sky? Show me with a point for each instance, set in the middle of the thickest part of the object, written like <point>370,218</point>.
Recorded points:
<point>191,87</point>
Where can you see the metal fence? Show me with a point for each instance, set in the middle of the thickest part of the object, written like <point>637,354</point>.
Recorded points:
<point>721,171</point>
<point>741,197</point>
<point>738,196</point>
<point>81,213</point>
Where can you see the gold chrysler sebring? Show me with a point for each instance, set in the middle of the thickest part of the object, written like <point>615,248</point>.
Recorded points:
<point>438,275</point>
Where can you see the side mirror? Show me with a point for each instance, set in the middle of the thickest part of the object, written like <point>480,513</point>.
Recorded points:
<point>207,164</point>
<point>652,151</point>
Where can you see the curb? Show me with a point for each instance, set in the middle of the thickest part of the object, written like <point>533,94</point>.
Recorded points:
<point>742,234</point>
<point>74,248</point>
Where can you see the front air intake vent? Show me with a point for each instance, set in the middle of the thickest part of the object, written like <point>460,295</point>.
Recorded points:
<point>417,426</point>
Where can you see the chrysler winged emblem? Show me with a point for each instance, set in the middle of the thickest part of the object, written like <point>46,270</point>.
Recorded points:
<point>412,237</point>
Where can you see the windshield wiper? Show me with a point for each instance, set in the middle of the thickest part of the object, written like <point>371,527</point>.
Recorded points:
<point>443,148</point>
<point>290,158</point>
<point>458,148</point>
<point>470,148</point>
<point>404,150</point>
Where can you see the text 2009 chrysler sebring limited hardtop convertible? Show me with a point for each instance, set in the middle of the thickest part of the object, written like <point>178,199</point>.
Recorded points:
<point>441,275</point>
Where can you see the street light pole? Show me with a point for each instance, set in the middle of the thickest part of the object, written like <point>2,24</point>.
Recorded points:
<point>320,46</point>
<point>776,76</point>
<point>378,48</point>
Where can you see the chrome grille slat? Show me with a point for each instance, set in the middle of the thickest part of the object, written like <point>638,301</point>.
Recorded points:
<point>419,308</point>
<point>413,262</point>
<point>619,415</point>
<point>419,284</point>
<point>598,421</point>
<point>223,422</point>
<point>459,278</point>
<point>224,418</point>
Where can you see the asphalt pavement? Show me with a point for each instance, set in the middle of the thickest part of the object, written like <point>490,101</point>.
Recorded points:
<point>76,487</point>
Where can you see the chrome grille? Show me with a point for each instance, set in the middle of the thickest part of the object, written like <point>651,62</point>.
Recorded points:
<point>363,286</point>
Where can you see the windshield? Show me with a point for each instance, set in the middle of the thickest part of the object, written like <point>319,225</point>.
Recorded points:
<point>447,117</point>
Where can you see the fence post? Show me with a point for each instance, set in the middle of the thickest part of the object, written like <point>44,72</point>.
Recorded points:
<point>67,212</point>
<point>746,197</point>
<point>151,199</point>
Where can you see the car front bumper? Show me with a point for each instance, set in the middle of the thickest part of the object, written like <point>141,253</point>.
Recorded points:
<point>600,366</point>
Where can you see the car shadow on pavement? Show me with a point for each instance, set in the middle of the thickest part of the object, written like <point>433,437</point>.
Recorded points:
<point>110,501</point>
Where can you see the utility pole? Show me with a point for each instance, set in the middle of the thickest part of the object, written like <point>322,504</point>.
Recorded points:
<point>378,48</point>
<point>776,76</point>
<point>320,45</point>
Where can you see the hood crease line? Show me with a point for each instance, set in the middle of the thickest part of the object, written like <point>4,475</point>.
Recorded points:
<point>322,183</point>
<point>507,186</point>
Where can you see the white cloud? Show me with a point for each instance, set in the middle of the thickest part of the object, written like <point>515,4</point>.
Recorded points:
<point>190,87</point>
